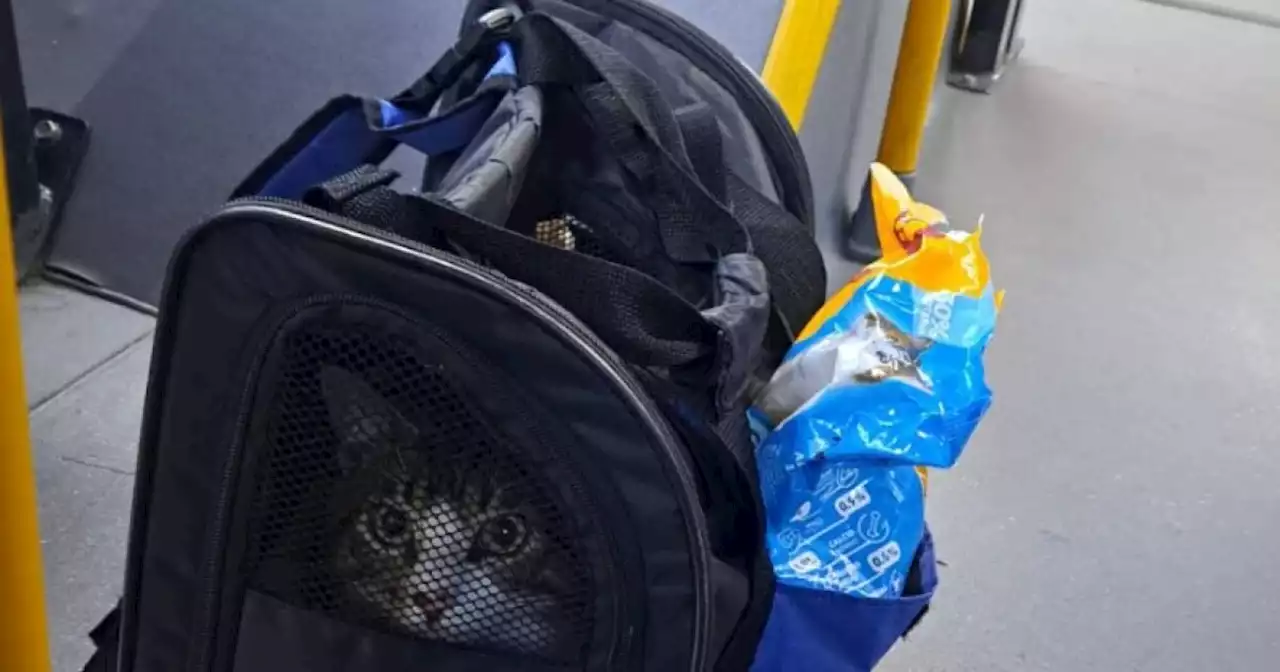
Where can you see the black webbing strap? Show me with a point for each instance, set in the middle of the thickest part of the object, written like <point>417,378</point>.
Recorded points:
<point>363,195</point>
<point>712,350</point>
<point>640,318</point>
<point>333,194</point>
<point>797,276</point>
<point>701,132</point>
<point>475,40</point>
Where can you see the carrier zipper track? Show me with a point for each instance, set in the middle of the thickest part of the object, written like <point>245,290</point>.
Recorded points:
<point>551,314</point>
<point>768,118</point>
<point>213,564</point>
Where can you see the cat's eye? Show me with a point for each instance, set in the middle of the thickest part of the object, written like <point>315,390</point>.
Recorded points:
<point>502,535</point>
<point>391,525</point>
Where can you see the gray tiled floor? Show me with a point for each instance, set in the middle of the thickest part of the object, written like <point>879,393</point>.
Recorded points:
<point>86,373</point>
<point>67,334</point>
<point>1116,511</point>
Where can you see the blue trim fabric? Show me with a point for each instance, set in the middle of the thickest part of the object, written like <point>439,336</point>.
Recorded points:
<point>826,631</point>
<point>506,64</point>
<point>392,116</point>
<point>347,142</point>
<point>340,145</point>
<point>351,137</point>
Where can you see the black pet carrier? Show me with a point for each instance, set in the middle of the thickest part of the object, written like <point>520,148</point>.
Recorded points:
<point>495,425</point>
<point>495,422</point>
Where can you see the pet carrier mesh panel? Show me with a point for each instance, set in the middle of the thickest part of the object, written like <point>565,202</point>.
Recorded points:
<point>439,527</point>
<point>359,469</point>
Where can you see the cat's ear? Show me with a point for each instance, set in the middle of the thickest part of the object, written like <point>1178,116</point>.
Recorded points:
<point>364,422</point>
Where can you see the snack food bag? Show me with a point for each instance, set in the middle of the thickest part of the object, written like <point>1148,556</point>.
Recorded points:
<point>886,380</point>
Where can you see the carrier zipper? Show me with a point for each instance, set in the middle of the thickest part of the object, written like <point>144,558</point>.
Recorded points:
<point>213,564</point>
<point>551,315</point>
<point>765,115</point>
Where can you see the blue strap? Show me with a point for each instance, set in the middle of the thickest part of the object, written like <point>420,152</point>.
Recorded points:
<point>350,132</point>
<point>341,139</point>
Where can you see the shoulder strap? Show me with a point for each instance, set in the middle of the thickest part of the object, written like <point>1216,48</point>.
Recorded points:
<point>797,274</point>
<point>701,132</point>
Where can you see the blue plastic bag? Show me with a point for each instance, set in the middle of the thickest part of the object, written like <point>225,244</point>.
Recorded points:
<point>839,475</point>
<point>885,381</point>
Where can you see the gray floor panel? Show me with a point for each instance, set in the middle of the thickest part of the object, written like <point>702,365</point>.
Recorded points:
<point>1117,509</point>
<point>85,442</point>
<point>65,334</point>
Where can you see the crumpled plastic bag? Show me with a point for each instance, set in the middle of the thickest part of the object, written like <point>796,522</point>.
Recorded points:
<point>887,379</point>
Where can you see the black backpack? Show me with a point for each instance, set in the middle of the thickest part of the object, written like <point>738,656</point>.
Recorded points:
<point>497,422</point>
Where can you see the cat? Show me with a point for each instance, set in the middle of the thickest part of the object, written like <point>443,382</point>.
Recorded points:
<point>447,547</point>
<point>873,350</point>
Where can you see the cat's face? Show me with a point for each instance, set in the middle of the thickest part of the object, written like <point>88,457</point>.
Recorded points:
<point>447,549</point>
<point>888,353</point>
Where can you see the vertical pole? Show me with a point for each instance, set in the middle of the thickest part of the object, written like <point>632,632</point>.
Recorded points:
<point>795,56</point>
<point>24,637</point>
<point>20,161</point>
<point>923,38</point>
<point>924,35</point>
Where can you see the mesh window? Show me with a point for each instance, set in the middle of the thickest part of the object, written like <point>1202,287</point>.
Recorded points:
<point>570,233</point>
<point>556,232</point>
<point>387,500</point>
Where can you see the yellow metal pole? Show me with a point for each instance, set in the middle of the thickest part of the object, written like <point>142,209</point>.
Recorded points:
<point>24,636</point>
<point>795,56</point>
<point>923,37</point>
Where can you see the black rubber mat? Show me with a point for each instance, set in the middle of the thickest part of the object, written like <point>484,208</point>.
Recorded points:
<point>185,97</point>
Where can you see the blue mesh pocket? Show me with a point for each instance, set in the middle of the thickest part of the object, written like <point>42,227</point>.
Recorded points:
<point>821,631</point>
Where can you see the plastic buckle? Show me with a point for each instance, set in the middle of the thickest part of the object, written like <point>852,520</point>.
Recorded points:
<point>491,26</point>
<point>499,20</point>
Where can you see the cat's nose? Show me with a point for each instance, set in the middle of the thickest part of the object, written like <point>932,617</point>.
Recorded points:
<point>429,606</point>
